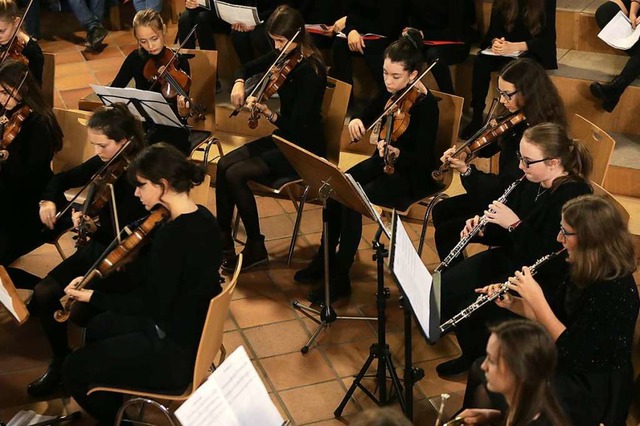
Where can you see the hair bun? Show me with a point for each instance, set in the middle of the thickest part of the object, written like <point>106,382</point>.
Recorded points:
<point>414,37</point>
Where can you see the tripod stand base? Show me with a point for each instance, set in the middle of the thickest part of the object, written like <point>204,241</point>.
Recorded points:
<point>326,316</point>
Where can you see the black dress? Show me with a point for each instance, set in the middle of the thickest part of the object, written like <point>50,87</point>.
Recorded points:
<point>33,53</point>
<point>133,69</point>
<point>148,339</point>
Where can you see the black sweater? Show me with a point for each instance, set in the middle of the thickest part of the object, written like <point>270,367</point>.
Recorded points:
<point>382,17</point>
<point>33,53</point>
<point>128,205</point>
<point>322,11</point>
<point>133,67</point>
<point>450,20</point>
<point>301,95</point>
<point>417,154</point>
<point>181,277</point>
<point>542,46</point>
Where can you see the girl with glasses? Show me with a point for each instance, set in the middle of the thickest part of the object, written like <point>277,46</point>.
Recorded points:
<point>520,231</point>
<point>591,314</point>
<point>524,87</point>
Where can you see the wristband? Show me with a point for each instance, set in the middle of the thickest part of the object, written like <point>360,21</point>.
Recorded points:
<point>467,173</point>
<point>239,80</point>
<point>270,117</point>
<point>513,226</point>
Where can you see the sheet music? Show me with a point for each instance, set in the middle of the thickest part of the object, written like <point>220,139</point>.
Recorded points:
<point>28,417</point>
<point>367,36</point>
<point>237,14</point>
<point>619,33</point>
<point>489,52</point>
<point>205,4</point>
<point>413,276</point>
<point>233,395</point>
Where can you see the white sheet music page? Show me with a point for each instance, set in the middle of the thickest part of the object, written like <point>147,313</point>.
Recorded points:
<point>412,275</point>
<point>619,34</point>
<point>233,395</point>
<point>237,14</point>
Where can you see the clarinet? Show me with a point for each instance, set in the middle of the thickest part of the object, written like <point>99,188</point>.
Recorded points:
<point>483,299</point>
<point>481,224</point>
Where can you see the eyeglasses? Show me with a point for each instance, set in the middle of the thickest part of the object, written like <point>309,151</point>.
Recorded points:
<point>566,234</point>
<point>528,163</point>
<point>506,95</point>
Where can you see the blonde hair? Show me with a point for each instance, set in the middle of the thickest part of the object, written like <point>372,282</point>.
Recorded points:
<point>148,18</point>
<point>8,10</point>
<point>605,248</point>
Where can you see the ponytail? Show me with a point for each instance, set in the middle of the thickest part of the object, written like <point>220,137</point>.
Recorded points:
<point>407,50</point>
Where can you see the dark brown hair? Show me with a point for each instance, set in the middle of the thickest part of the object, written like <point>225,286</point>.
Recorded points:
<point>605,249</point>
<point>407,50</point>
<point>534,14</point>
<point>117,123</point>
<point>529,353</point>
<point>8,10</point>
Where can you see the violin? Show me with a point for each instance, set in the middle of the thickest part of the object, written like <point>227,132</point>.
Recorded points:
<point>469,149</point>
<point>11,126</point>
<point>162,70</point>
<point>16,45</point>
<point>116,256</point>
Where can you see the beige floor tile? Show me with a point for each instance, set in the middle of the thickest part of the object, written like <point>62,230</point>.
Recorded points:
<point>432,384</point>
<point>255,283</point>
<point>275,227</point>
<point>277,339</point>
<point>233,340</point>
<point>294,370</point>
<point>268,206</point>
<point>315,403</point>
<point>342,331</point>
<point>311,221</point>
<point>254,311</point>
<point>348,358</point>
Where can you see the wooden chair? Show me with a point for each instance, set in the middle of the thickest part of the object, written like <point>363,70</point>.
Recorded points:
<point>599,143</point>
<point>208,349</point>
<point>48,78</point>
<point>599,190</point>
<point>334,110</point>
<point>200,193</point>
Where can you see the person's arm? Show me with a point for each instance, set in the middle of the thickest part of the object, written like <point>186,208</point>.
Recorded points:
<point>72,178</point>
<point>257,66</point>
<point>34,54</point>
<point>421,159</point>
<point>127,71</point>
<point>32,153</point>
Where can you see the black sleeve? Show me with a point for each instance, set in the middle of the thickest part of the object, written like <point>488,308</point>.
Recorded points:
<point>31,155</point>
<point>373,109</point>
<point>72,178</point>
<point>495,28</point>
<point>384,18</point>
<point>257,66</point>
<point>545,42</point>
<point>422,158</point>
<point>34,54</point>
<point>127,71</point>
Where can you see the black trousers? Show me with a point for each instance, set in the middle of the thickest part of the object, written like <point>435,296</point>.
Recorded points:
<point>457,292</point>
<point>483,66</point>
<point>251,44</point>
<point>449,54</point>
<point>208,24</point>
<point>258,159</point>
<point>342,68</point>
<point>18,236</point>
<point>124,351</point>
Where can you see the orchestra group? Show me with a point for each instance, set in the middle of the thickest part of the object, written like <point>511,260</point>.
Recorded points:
<point>551,350</point>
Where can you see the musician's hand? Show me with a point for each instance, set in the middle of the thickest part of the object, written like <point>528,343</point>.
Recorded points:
<point>237,94</point>
<point>356,129</point>
<point>501,215</point>
<point>381,144</point>
<point>339,25</point>
<point>240,27</point>
<point>527,287</point>
<point>262,108</point>
<point>75,218</point>
<point>191,4</point>
<point>455,162</point>
<point>480,416</point>
<point>469,225</point>
<point>48,213</point>
<point>355,41</point>
<point>497,45</point>
<point>82,295</point>
<point>503,301</point>
<point>184,104</point>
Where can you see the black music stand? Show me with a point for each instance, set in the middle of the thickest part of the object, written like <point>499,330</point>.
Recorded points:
<point>329,182</point>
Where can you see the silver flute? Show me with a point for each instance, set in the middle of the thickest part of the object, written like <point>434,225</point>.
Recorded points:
<point>483,299</point>
<point>464,241</point>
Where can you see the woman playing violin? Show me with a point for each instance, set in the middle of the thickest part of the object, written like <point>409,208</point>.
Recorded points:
<point>154,329</point>
<point>149,29</point>
<point>109,130</point>
<point>23,48</point>
<point>524,87</point>
<point>413,155</point>
<point>31,136</point>
<point>298,121</point>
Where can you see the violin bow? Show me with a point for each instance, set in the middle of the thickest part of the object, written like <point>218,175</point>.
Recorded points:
<point>15,32</point>
<point>14,90</point>
<point>175,55</point>
<point>266,73</point>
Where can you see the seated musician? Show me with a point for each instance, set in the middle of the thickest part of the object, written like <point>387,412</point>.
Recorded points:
<point>109,129</point>
<point>592,314</point>
<point>23,48</point>
<point>148,338</point>
<point>31,136</point>
<point>253,42</point>
<point>412,153</point>
<point>520,230</point>
<point>149,29</point>
<point>299,121</point>
<point>524,87</point>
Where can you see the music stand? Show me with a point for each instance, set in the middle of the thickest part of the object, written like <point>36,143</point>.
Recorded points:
<point>329,182</point>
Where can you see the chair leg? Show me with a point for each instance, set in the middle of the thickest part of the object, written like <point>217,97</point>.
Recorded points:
<point>173,421</point>
<point>425,220</point>
<point>296,227</point>
<point>236,226</point>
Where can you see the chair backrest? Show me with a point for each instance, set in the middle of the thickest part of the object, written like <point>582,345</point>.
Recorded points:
<point>599,190</point>
<point>449,116</point>
<point>200,193</point>
<point>75,148</point>
<point>203,66</point>
<point>48,78</point>
<point>334,111</point>
<point>213,329</point>
<point>599,143</point>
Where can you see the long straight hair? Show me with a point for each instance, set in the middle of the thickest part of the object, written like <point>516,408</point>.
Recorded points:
<point>534,14</point>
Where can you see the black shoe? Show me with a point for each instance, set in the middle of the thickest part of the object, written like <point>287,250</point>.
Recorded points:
<point>609,93</point>
<point>48,383</point>
<point>454,367</point>
<point>470,129</point>
<point>314,271</point>
<point>339,288</point>
<point>254,254</point>
<point>96,35</point>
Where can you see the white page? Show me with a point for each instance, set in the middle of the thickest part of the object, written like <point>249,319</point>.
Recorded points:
<point>233,395</point>
<point>236,14</point>
<point>6,300</point>
<point>619,34</point>
<point>367,35</point>
<point>489,52</point>
<point>205,4</point>
<point>28,417</point>
<point>413,276</point>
